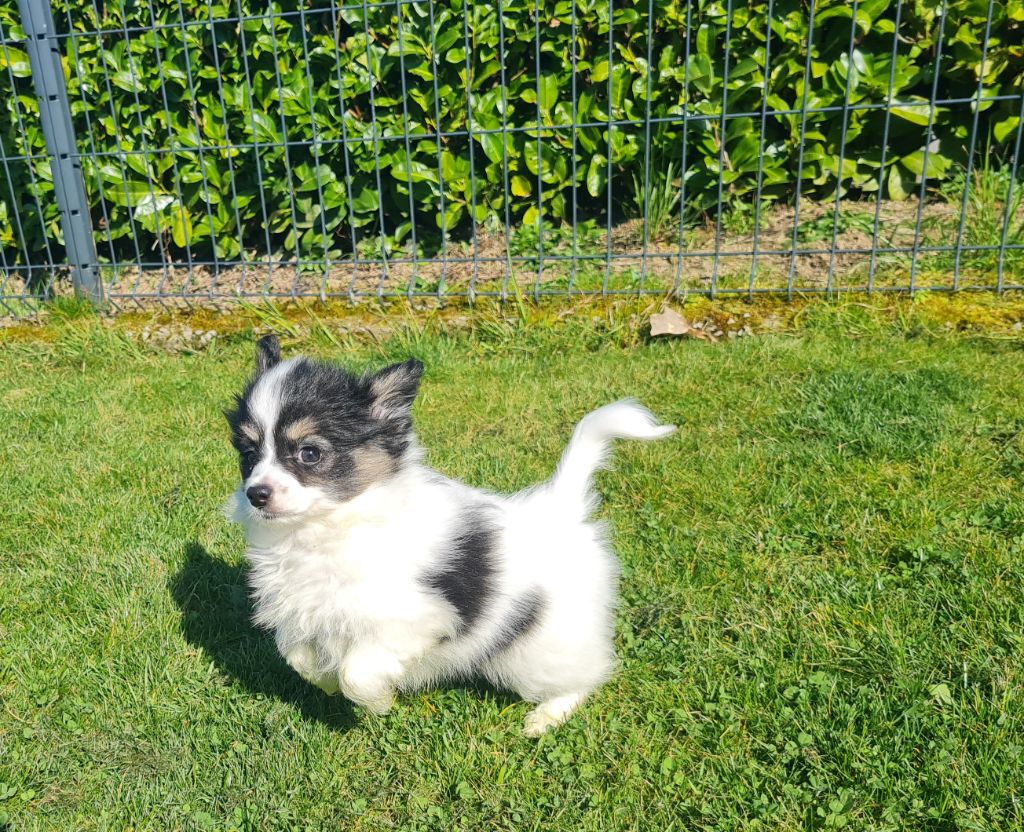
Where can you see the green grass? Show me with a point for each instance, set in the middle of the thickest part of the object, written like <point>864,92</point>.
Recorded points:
<point>823,596</point>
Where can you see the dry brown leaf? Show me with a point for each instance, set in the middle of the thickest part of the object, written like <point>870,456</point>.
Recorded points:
<point>670,322</point>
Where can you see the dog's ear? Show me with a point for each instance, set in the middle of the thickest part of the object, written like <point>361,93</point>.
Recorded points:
<point>394,388</point>
<point>268,353</point>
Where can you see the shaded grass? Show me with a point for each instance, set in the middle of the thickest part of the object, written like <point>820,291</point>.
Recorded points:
<point>821,625</point>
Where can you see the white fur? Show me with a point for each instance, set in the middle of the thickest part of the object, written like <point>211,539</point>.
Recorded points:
<point>341,585</point>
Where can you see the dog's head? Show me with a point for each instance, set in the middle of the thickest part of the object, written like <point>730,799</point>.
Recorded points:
<point>311,436</point>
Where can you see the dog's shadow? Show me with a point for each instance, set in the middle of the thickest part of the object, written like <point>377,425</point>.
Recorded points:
<point>216,616</point>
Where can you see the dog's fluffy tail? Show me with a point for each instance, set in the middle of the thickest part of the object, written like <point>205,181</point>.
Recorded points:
<point>590,445</point>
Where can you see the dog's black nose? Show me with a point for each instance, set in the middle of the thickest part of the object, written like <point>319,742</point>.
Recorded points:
<point>259,495</point>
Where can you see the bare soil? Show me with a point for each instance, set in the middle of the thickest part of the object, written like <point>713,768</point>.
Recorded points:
<point>833,250</point>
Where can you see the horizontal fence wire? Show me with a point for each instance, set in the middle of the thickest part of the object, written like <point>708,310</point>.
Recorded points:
<point>455,148</point>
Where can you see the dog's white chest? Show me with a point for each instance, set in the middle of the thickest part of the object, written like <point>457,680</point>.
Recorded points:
<point>324,587</point>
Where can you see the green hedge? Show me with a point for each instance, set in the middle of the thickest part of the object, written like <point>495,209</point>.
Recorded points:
<point>161,90</point>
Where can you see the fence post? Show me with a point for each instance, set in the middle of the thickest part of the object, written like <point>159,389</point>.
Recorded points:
<point>55,115</point>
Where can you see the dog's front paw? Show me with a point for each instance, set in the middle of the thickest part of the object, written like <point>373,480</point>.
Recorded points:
<point>550,714</point>
<point>536,723</point>
<point>378,706</point>
<point>368,679</point>
<point>377,701</point>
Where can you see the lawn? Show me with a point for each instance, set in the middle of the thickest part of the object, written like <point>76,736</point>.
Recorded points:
<point>822,619</point>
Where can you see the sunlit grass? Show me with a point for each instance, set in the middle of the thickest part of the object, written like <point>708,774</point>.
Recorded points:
<point>822,619</point>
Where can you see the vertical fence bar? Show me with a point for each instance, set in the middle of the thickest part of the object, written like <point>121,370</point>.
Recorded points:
<point>504,149</point>
<point>575,120</point>
<point>647,150</point>
<point>800,153</point>
<point>9,178</point>
<point>540,157</point>
<point>756,239</point>
<point>58,130</point>
<point>120,142</point>
<point>682,161</point>
<point>375,134</point>
<point>345,152</point>
<point>315,144</point>
<point>192,116</point>
<point>181,210</point>
<point>970,151</point>
<point>470,71</point>
<point>885,147</point>
<point>5,265</point>
<point>850,69</point>
<point>722,127</point>
<point>273,18</point>
<point>1008,205</point>
<point>249,103</point>
<point>149,157</point>
<point>927,145</point>
<point>414,276</point>
<point>228,155</point>
<point>443,214</point>
<point>611,145</point>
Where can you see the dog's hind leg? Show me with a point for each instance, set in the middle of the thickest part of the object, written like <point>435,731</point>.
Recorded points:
<point>551,713</point>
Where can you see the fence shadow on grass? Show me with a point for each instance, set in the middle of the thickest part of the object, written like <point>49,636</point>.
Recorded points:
<point>216,616</point>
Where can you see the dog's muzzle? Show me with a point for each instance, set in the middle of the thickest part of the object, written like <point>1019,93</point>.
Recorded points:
<point>259,495</point>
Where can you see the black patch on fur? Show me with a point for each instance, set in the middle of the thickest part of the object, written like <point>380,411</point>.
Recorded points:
<point>342,405</point>
<point>526,612</point>
<point>361,425</point>
<point>337,412</point>
<point>465,577</point>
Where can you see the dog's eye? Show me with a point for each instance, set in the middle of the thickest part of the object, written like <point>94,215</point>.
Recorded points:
<point>248,461</point>
<point>309,455</point>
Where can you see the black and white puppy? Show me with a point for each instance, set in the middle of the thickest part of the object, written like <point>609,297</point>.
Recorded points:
<point>377,574</point>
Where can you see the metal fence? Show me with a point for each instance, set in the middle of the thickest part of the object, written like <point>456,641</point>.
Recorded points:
<point>186,151</point>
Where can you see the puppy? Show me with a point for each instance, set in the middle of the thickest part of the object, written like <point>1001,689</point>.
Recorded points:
<point>377,574</point>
